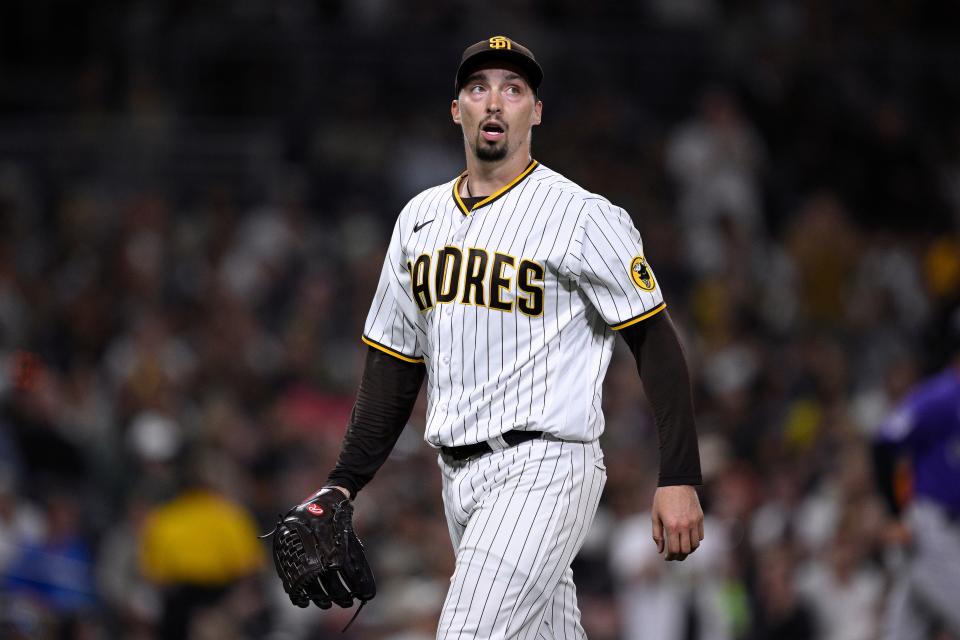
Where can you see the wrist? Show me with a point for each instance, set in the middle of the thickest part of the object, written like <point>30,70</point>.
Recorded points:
<point>343,490</point>
<point>693,480</point>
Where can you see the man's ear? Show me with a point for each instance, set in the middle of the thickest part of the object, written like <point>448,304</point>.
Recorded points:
<point>537,111</point>
<point>455,111</point>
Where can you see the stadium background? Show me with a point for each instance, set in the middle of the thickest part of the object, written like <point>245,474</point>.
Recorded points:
<point>195,199</point>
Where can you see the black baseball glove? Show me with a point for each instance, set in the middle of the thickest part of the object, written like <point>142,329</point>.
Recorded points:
<point>319,557</point>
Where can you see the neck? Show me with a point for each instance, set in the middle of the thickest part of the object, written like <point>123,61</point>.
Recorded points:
<point>484,178</point>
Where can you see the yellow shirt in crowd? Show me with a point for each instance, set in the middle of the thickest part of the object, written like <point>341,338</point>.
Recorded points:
<point>199,538</point>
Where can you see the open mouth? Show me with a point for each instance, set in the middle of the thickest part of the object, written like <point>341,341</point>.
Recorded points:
<point>492,131</point>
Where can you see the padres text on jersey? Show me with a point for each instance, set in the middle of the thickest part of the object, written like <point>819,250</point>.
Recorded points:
<point>511,305</point>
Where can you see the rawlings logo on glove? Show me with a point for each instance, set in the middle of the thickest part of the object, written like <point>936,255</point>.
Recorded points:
<point>318,556</point>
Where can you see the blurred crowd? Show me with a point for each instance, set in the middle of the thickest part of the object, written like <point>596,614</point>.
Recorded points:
<point>195,199</point>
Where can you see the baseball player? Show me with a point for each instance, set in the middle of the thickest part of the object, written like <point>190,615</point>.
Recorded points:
<point>925,429</point>
<point>505,288</point>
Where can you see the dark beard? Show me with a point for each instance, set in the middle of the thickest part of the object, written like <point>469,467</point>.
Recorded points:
<point>490,154</point>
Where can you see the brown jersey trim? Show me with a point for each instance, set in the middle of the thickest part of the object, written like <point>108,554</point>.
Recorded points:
<point>643,316</point>
<point>500,193</point>
<point>389,351</point>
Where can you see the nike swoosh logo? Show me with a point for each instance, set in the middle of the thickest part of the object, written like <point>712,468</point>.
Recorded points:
<point>417,227</point>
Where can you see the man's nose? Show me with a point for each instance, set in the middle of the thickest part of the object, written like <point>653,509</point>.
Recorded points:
<point>493,102</point>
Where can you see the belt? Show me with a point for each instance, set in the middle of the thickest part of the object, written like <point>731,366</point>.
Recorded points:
<point>509,439</point>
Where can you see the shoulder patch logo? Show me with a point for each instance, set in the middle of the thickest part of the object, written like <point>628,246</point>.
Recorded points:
<point>640,274</point>
<point>315,509</point>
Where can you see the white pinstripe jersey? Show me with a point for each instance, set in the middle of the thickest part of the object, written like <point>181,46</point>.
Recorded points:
<point>512,306</point>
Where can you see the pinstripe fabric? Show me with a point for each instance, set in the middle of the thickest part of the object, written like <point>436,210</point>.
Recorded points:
<point>517,518</point>
<point>491,370</point>
<point>512,307</point>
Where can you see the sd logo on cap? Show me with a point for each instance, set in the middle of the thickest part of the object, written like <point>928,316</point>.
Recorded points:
<point>499,48</point>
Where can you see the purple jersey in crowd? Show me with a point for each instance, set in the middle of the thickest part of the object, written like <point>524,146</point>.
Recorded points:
<point>926,426</point>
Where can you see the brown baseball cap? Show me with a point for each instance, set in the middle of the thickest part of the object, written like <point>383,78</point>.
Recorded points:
<point>498,48</point>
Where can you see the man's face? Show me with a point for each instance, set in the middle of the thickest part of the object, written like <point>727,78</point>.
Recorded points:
<point>496,109</point>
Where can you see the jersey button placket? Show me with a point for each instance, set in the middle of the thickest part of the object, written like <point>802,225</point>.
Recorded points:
<point>458,240</point>
<point>461,233</point>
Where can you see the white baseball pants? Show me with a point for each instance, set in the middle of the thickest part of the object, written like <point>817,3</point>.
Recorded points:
<point>517,518</point>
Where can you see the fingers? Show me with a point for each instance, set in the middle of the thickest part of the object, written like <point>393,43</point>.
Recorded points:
<point>335,588</point>
<point>351,583</point>
<point>683,540</point>
<point>677,521</point>
<point>325,589</point>
<point>300,599</point>
<point>356,573</point>
<point>675,545</point>
<point>685,545</point>
<point>658,533</point>
<point>317,592</point>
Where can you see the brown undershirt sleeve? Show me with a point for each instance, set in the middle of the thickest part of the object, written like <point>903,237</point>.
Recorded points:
<point>666,381</point>
<point>388,391</point>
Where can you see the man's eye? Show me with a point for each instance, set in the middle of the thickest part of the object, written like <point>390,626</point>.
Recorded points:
<point>513,90</point>
<point>476,88</point>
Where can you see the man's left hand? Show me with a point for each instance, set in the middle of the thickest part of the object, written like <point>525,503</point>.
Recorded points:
<point>677,521</point>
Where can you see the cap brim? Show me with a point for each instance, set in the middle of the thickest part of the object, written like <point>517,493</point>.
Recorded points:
<point>530,68</point>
